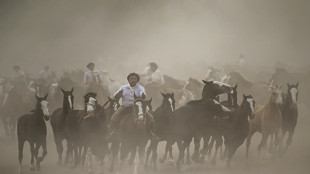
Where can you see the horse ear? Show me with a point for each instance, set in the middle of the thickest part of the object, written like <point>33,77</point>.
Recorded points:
<point>172,94</point>
<point>134,94</point>
<point>150,101</point>
<point>45,97</point>
<point>244,96</point>
<point>72,89</point>
<point>38,98</point>
<point>236,86</point>
<point>162,94</point>
<point>207,82</point>
<point>288,85</point>
<point>297,84</point>
<point>62,90</point>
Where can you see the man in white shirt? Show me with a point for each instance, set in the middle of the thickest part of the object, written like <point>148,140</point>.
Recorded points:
<point>157,79</point>
<point>126,92</point>
<point>92,75</point>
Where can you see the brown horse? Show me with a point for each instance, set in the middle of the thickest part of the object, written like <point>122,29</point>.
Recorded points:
<point>267,120</point>
<point>132,134</point>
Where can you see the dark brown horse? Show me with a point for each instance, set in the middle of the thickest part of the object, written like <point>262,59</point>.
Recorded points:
<point>290,113</point>
<point>32,128</point>
<point>58,119</point>
<point>132,134</point>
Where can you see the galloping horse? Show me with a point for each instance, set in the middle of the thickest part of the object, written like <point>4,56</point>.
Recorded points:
<point>133,133</point>
<point>32,128</point>
<point>93,131</point>
<point>290,113</point>
<point>267,120</point>
<point>58,119</point>
<point>162,116</point>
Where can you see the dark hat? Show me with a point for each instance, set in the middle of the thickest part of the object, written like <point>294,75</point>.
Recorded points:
<point>90,64</point>
<point>133,74</point>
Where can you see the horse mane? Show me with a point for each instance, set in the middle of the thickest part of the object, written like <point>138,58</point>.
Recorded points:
<point>195,81</point>
<point>171,82</point>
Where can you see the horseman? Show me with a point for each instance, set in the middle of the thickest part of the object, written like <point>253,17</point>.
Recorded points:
<point>155,82</point>
<point>46,78</point>
<point>18,80</point>
<point>127,93</point>
<point>92,80</point>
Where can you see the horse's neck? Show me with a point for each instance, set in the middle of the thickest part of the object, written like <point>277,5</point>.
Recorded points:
<point>272,106</point>
<point>66,107</point>
<point>38,113</point>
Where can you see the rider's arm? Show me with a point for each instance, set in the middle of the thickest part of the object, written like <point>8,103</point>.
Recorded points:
<point>142,92</point>
<point>119,93</point>
<point>85,78</point>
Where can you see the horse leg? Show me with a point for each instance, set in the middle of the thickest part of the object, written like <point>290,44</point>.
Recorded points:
<point>133,153</point>
<point>163,159</point>
<point>20,153</point>
<point>219,142</point>
<point>231,151</point>
<point>204,150</point>
<point>289,139</point>
<point>68,152</point>
<point>114,152</point>
<point>262,144</point>
<point>171,161</point>
<point>90,161</point>
<point>32,151</point>
<point>154,156</point>
<point>181,155</point>
<point>271,144</point>
<point>84,154</point>
<point>211,145</point>
<point>248,143</point>
<point>59,149</point>
<point>195,155</point>
<point>148,152</point>
<point>36,155</point>
<point>44,153</point>
<point>188,157</point>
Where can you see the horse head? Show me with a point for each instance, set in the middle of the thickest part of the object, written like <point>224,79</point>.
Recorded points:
<point>168,99</point>
<point>141,107</point>
<point>248,106</point>
<point>42,106</point>
<point>292,91</point>
<point>276,94</point>
<point>68,98</point>
<point>214,88</point>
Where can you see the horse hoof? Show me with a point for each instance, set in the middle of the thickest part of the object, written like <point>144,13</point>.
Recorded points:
<point>130,162</point>
<point>188,162</point>
<point>111,169</point>
<point>32,168</point>
<point>161,160</point>
<point>59,163</point>
<point>146,167</point>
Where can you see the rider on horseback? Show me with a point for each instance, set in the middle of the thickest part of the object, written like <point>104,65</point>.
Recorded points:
<point>127,93</point>
<point>91,75</point>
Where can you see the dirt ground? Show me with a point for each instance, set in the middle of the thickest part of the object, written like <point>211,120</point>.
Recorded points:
<point>295,161</point>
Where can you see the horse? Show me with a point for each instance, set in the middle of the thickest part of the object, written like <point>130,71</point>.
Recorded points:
<point>32,128</point>
<point>162,116</point>
<point>132,133</point>
<point>94,127</point>
<point>236,129</point>
<point>232,104</point>
<point>58,119</point>
<point>191,120</point>
<point>290,113</point>
<point>267,120</point>
<point>73,129</point>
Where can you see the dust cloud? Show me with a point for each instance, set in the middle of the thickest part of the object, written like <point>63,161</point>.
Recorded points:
<point>183,37</point>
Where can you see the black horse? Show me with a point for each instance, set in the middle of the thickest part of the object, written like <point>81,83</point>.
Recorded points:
<point>162,117</point>
<point>133,134</point>
<point>58,119</point>
<point>93,132</point>
<point>290,113</point>
<point>73,128</point>
<point>236,128</point>
<point>32,128</point>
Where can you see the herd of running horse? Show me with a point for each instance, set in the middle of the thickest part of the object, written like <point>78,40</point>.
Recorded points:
<point>209,119</point>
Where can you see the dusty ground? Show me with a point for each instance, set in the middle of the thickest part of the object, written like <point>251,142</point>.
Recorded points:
<point>296,161</point>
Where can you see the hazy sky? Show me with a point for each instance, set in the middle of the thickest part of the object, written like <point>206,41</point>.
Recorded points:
<point>183,36</point>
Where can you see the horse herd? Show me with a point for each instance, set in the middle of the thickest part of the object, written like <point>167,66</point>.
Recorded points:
<point>209,119</point>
